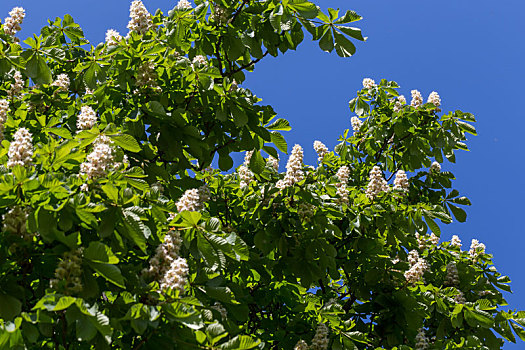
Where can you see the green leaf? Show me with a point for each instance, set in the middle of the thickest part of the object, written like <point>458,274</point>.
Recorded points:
<point>279,141</point>
<point>349,16</point>
<point>136,230</point>
<point>126,141</point>
<point>64,302</point>
<point>327,40</point>
<point>241,342</point>
<point>459,213</point>
<point>225,161</point>
<point>109,272</point>
<point>10,307</point>
<point>99,252</point>
<point>352,32</point>
<point>279,124</point>
<point>37,69</point>
<point>257,162</point>
<point>343,46</point>
<point>433,226</point>
<point>466,127</point>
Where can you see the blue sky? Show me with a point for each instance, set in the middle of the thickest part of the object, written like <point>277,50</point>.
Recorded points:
<point>471,52</point>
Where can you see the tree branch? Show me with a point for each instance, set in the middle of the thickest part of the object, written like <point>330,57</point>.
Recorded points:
<point>247,65</point>
<point>238,12</point>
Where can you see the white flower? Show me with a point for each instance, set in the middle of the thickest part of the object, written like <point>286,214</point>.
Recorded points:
<point>320,340</point>
<point>415,273</point>
<point>377,183</point>
<point>100,160</point>
<point>12,23</point>
<point>417,99</point>
<point>343,174</point>
<point>460,298</point>
<point>219,14</point>
<point>84,187</point>
<point>15,221</point>
<point>199,60</point>
<point>413,257</point>
<point>194,199</point>
<point>140,19</point>
<point>452,278</point>
<point>86,119</point>
<point>21,149</point>
<point>435,167</point>
<point>4,107</point>
<point>401,182</point>
<point>421,341</point>
<point>273,163</point>
<point>146,75</point>
<point>434,99</point>
<point>455,241</point>
<point>301,345</point>
<point>175,277</point>
<point>165,254</point>
<point>434,239</point>
<point>68,274</point>
<point>321,150</point>
<point>400,102</point>
<point>62,81</point>
<point>294,172</point>
<point>369,83</point>
<point>476,249</point>
<point>356,123</point>
<point>245,176</point>
<point>17,86</point>
<point>113,37</point>
<point>183,5</point>
<point>421,241</point>
<point>247,158</point>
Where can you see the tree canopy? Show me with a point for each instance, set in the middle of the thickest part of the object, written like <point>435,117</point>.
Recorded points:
<point>118,233</point>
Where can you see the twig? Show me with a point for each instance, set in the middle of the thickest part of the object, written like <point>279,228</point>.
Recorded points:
<point>247,65</point>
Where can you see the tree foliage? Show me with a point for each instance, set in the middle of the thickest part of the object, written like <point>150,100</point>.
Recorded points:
<point>117,234</point>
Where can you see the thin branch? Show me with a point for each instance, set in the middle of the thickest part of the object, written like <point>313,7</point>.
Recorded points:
<point>238,12</point>
<point>247,65</point>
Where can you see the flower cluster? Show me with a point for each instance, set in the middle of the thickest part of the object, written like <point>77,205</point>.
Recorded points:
<point>343,174</point>
<point>321,150</point>
<point>320,340</point>
<point>140,19</point>
<point>417,269</point>
<point>273,163</point>
<point>434,99</point>
<point>194,199</point>
<point>15,221</point>
<point>199,60</point>
<point>17,86</point>
<point>452,277</point>
<point>146,75</point>
<point>219,14</point>
<point>21,149</point>
<point>62,81</point>
<point>377,183</point>
<point>476,249</point>
<point>12,23</point>
<point>435,167</point>
<point>306,211</point>
<point>460,298</point>
<point>356,124</point>
<point>417,99</point>
<point>113,37</point>
<point>68,273</point>
<point>400,102</point>
<point>100,160</point>
<point>421,341</point>
<point>183,5</point>
<point>175,277</point>
<point>245,176</point>
<point>301,345</point>
<point>4,107</point>
<point>369,83</point>
<point>401,181</point>
<point>422,240</point>
<point>86,119</point>
<point>455,241</point>
<point>294,172</point>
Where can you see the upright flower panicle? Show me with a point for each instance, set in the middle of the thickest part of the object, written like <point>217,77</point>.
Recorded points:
<point>140,19</point>
<point>113,37</point>
<point>194,199</point>
<point>62,81</point>
<point>17,85</point>
<point>301,345</point>
<point>452,277</point>
<point>476,249</point>
<point>320,340</point>
<point>12,23</point>
<point>369,83</point>
<point>421,341</point>
<point>247,158</point>
<point>401,181</point>
<point>15,221</point>
<point>377,183</point>
<point>415,273</point>
<point>147,76</point>
<point>273,163</point>
<point>68,274</point>
<point>175,277</point>
<point>199,60</point>
<point>245,176</point>
<point>435,167</point>
<point>86,119</point>
<point>401,101</point>
<point>4,107</point>
<point>100,160</point>
<point>356,124</point>
<point>417,99</point>
<point>321,150</point>
<point>184,5</point>
<point>21,149</point>
<point>434,99</point>
<point>294,172</point>
<point>455,241</point>
<point>343,174</point>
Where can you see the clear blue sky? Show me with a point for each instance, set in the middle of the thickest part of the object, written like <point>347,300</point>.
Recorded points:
<point>471,52</point>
